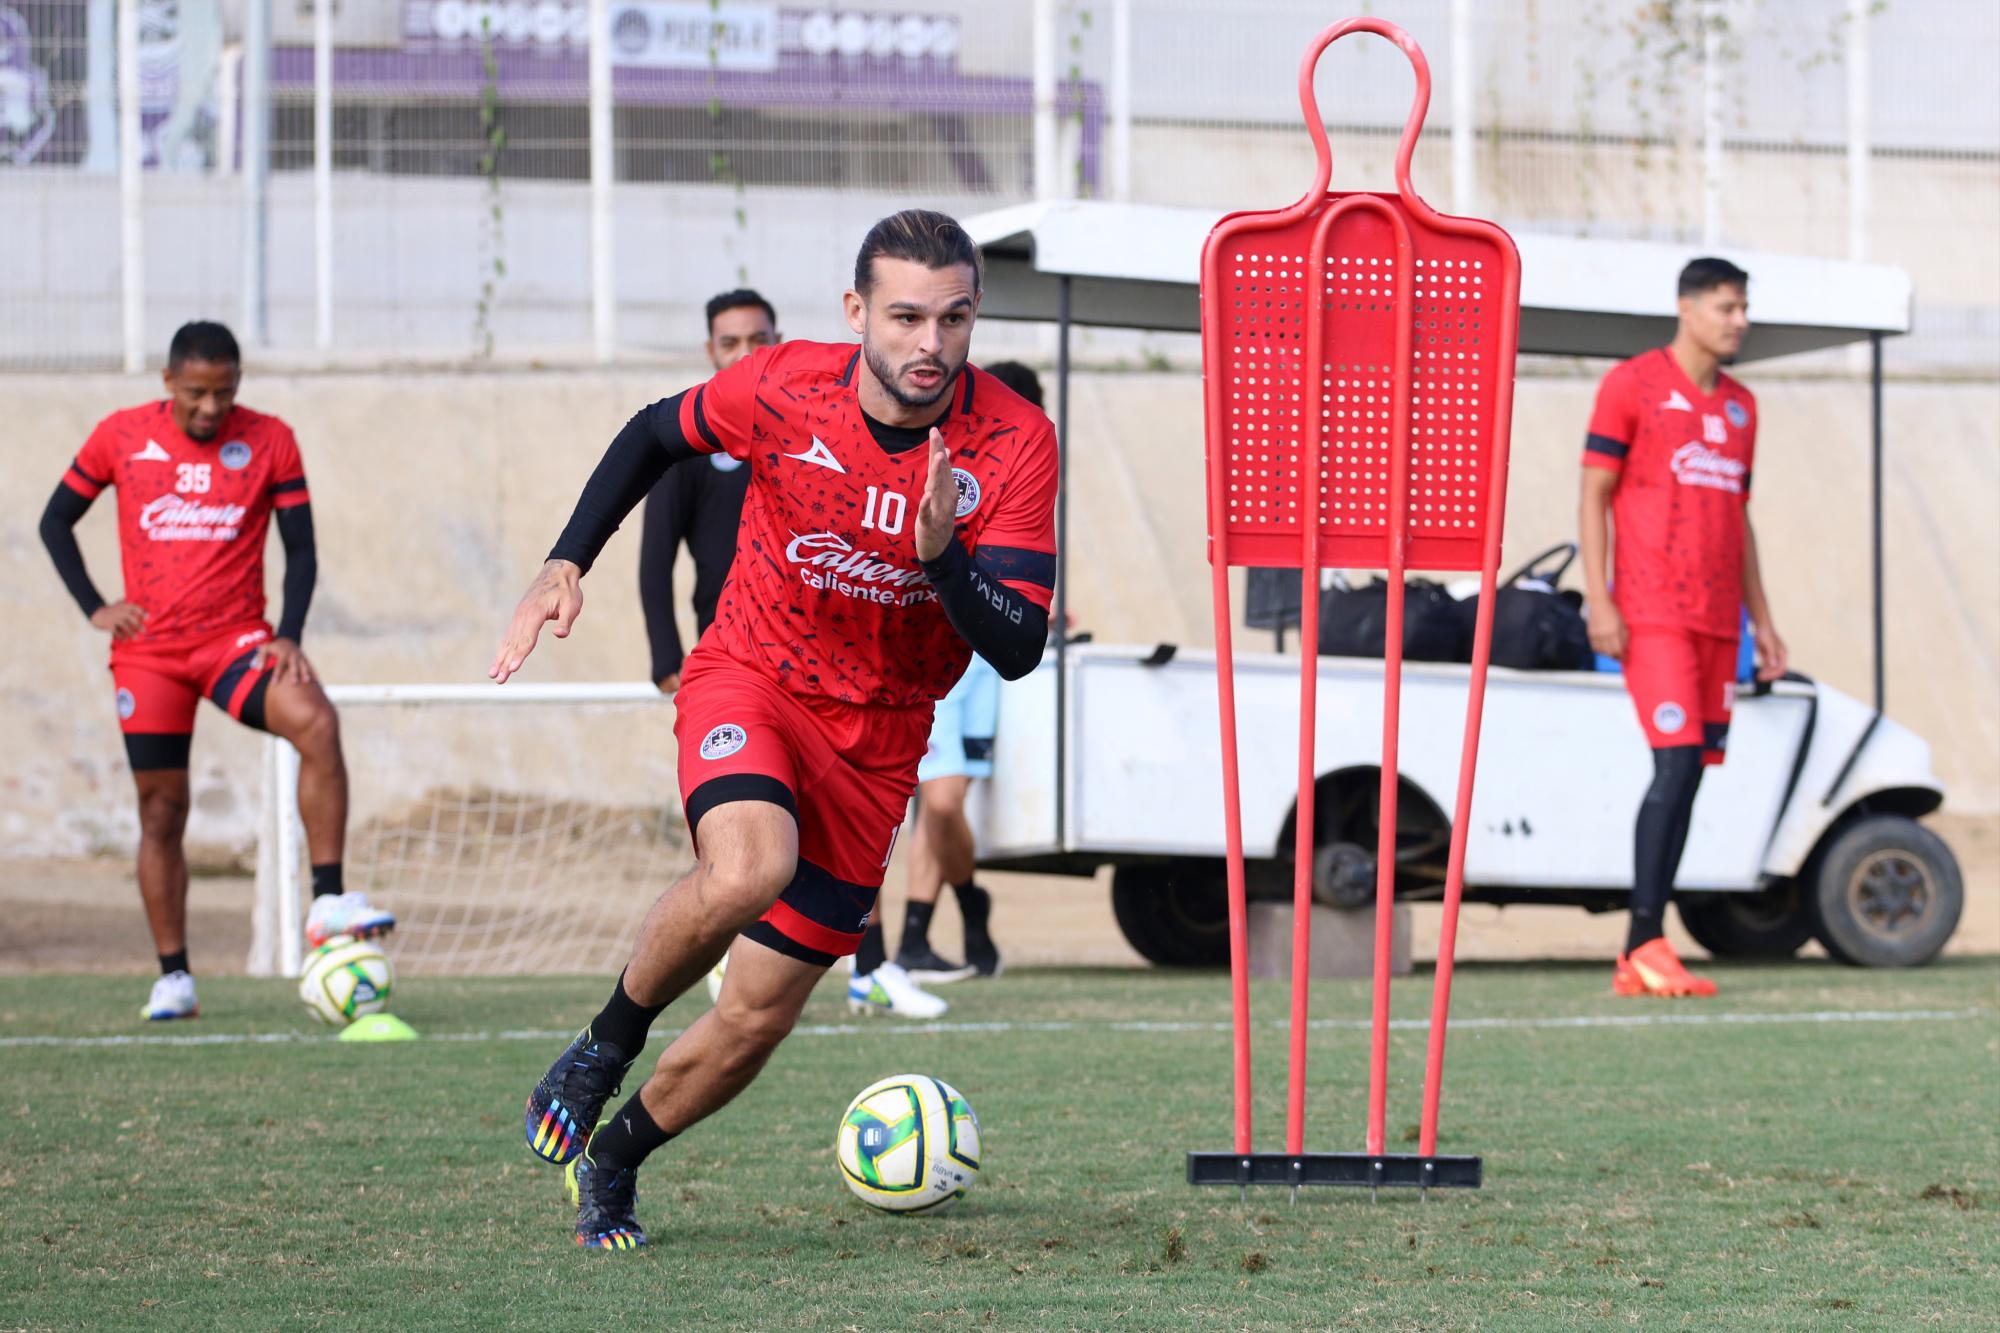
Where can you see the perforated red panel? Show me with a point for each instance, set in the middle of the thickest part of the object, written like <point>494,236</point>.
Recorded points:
<point>1275,470</point>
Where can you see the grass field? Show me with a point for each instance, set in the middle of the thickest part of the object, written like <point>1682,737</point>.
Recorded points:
<point>1818,1149</point>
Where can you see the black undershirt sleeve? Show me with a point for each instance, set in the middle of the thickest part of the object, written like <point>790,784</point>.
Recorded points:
<point>1002,626</point>
<point>660,531</point>
<point>295,531</point>
<point>59,521</point>
<point>641,454</point>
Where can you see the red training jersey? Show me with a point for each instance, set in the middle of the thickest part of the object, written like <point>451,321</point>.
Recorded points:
<point>1683,461</point>
<point>192,514</point>
<point>826,594</point>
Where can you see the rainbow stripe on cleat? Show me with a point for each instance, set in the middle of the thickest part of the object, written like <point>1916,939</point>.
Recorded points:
<point>565,1105</point>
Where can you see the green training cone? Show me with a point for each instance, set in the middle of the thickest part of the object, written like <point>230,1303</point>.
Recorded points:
<point>378,1027</point>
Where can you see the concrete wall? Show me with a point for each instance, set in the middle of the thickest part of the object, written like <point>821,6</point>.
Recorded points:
<point>435,497</point>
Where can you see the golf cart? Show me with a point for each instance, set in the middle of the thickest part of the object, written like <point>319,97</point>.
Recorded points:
<point>1113,756</point>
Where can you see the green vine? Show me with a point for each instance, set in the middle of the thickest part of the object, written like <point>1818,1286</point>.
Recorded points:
<point>720,169</point>
<point>1073,112</point>
<point>493,137</point>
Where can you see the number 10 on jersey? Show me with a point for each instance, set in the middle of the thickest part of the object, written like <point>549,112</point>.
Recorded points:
<point>884,511</point>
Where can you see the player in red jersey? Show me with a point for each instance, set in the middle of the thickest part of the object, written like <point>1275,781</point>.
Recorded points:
<point>1669,457</point>
<point>900,517</point>
<point>198,481</point>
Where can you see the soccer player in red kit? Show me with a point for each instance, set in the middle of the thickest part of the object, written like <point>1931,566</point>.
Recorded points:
<point>900,517</point>
<point>1669,457</point>
<point>198,480</point>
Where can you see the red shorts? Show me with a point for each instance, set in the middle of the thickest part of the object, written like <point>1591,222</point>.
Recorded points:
<point>1683,683</point>
<point>158,687</point>
<point>845,771</point>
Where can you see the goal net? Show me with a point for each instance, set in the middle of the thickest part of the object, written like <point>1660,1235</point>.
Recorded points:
<point>523,829</point>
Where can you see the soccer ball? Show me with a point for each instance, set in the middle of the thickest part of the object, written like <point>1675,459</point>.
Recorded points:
<point>908,1144</point>
<point>346,978</point>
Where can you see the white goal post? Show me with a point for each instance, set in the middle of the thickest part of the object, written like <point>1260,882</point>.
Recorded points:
<point>516,828</point>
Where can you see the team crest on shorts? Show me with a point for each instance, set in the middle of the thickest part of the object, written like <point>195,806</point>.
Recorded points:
<point>723,741</point>
<point>968,491</point>
<point>1669,718</point>
<point>127,705</point>
<point>1738,416</point>
<point>235,455</point>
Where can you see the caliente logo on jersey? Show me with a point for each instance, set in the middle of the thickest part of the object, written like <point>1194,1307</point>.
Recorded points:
<point>832,564</point>
<point>1696,464</point>
<point>174,518</point>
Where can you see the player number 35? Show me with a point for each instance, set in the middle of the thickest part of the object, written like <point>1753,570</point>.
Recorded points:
<point>191,477</point>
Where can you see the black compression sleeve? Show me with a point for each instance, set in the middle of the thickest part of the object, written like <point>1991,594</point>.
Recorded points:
<point>1002,626</point>
<point>59,521</point>
<point>295,530</point>
<point>650,443</point>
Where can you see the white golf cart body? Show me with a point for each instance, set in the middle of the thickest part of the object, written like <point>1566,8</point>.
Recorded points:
<point>1563,765</point>
<point>1112,759</point>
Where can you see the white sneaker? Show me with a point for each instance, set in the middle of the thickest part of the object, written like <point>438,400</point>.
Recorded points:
<point>172,997</point>
<point>345,914</point>
<point>889,990</point>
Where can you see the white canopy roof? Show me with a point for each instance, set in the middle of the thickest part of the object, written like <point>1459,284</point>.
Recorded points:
<point>1138,266</point>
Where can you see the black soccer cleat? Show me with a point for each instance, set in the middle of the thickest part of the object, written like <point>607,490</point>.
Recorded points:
<point>975,906</point>
<point>607,1205</point>
<point>563,1108</point>
<point>924,965</point>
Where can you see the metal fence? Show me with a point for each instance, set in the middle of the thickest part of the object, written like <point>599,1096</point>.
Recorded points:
<point>426,189</point>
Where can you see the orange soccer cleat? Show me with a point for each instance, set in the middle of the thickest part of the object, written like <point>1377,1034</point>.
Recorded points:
<point>1655,969</point>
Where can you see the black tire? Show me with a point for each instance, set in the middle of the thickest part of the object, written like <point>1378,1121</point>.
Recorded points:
<point>1887,893</point>
<point>1773,924</point>
<point>1173,915</point>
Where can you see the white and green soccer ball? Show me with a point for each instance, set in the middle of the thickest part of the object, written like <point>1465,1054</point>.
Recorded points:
<point>345,979</point>
<point>908,1144</point>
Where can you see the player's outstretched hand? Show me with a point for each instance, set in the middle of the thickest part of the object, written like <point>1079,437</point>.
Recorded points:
<point>937,513</point>
<point>556,594</point>
<point>287,662</point>
<point>122,619</point>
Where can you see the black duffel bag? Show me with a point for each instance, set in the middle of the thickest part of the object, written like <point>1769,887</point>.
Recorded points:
<point>1353,622</point>
<point>1535,627</point>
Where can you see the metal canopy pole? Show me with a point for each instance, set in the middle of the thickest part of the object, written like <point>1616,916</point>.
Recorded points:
<point>1875,500</point>
<point>1061,626</point>
<point>1875,561</point>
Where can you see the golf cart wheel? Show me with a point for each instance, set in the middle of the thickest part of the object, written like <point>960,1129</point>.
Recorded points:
<point>1772,924</point>
<point>1888,893</point>
<point>1173,915</point>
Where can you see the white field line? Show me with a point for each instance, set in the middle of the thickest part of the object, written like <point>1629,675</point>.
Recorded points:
<point>894,1028</point>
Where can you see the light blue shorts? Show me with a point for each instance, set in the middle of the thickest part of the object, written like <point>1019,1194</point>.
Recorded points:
<point>962,732</point>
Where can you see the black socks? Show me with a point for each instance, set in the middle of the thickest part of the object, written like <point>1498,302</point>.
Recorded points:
<point>326,879</point>
<point>626,1138</point>
<point>873,950</point>
<point>917,923</point>
<point>623,1021</point>
<point>1660,837</point>
<point>174,962</point>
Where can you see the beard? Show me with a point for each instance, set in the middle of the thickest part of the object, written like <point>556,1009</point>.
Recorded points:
<point>888,377</point>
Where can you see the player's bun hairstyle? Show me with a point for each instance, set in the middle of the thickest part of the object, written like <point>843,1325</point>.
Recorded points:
<point>203,340</point>
<point>1708,273</point>
<point>739,299</point>
<point>1018,378</point>
<point>920,236</point>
